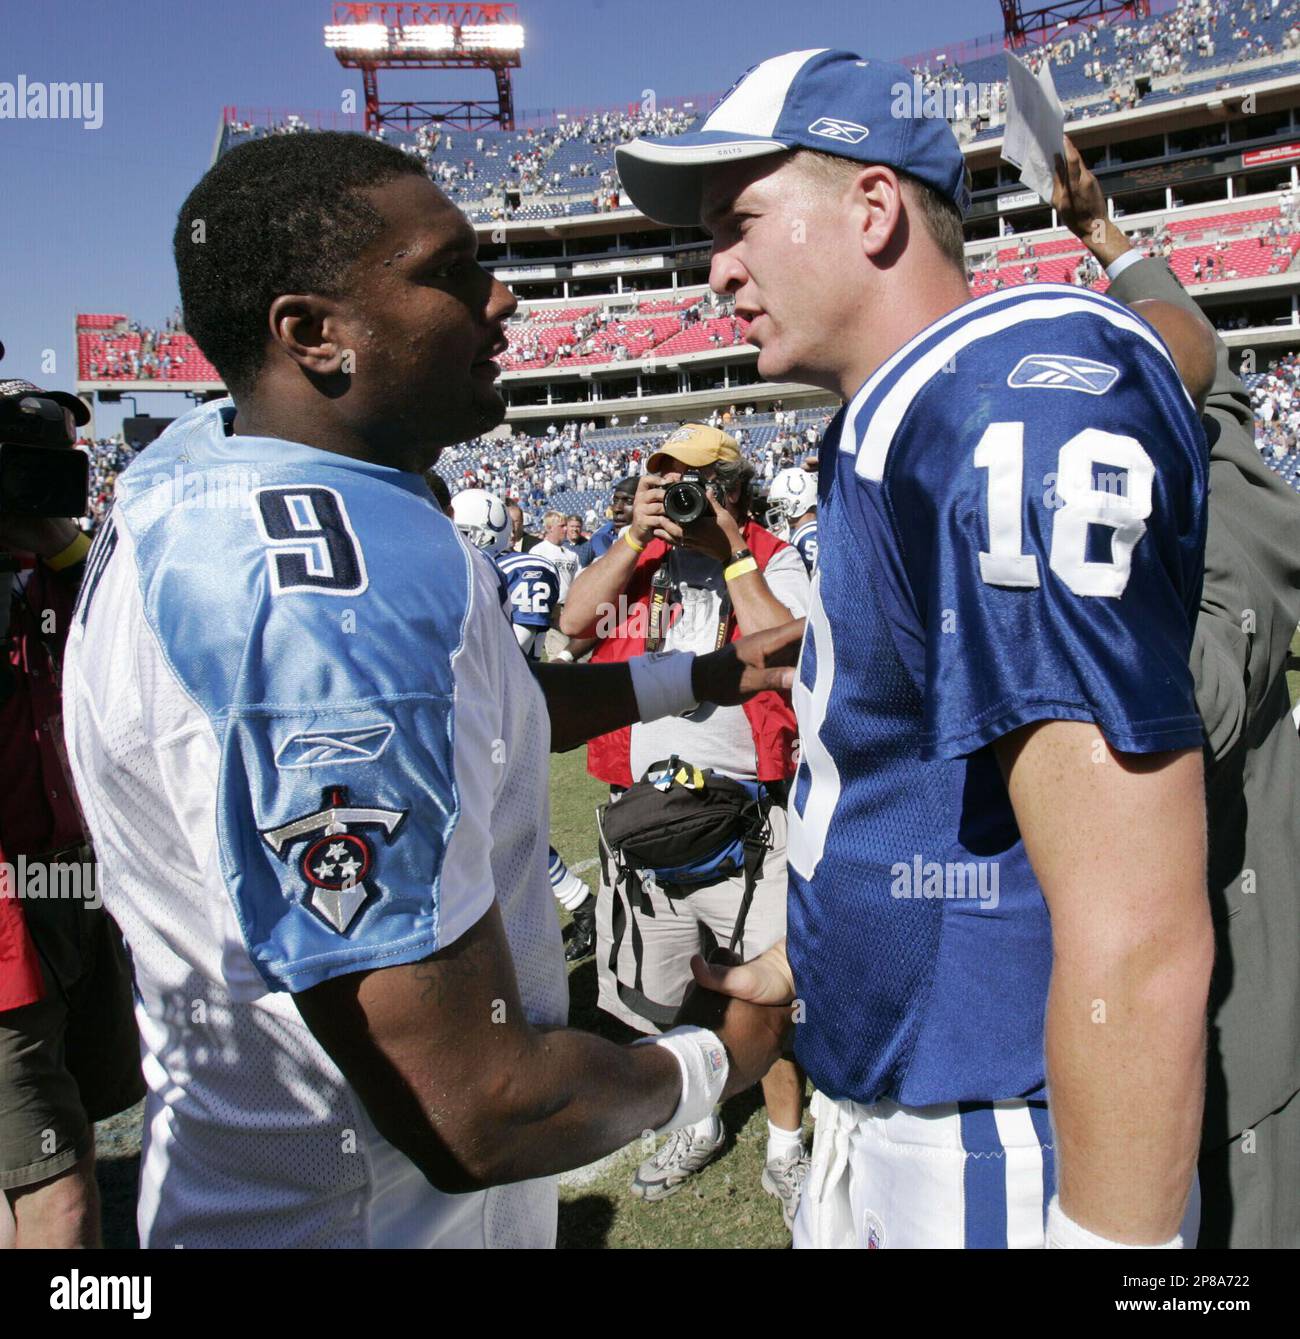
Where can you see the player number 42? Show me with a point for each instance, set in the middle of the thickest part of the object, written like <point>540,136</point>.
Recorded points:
<point>1001,451</point>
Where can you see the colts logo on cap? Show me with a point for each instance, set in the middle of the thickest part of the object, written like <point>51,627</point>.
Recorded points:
<point>847,132</point>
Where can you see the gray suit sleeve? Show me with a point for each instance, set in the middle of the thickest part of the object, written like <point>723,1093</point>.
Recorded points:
<point>1251,598</point>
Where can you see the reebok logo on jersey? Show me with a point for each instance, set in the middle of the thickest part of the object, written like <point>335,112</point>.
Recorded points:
<point>1062,372</point>
<point>311,748</point>
<point>846,132</point>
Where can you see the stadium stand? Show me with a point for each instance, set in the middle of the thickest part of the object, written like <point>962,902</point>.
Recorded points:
<point>565,170</point>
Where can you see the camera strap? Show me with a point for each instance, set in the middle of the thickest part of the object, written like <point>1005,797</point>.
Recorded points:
<point>665,595</point>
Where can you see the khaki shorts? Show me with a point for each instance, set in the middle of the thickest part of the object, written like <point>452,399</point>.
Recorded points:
<point>73,1057</point>
<point>682,926</point>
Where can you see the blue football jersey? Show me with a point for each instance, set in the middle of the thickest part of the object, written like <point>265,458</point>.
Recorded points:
<point>805,540</point>
<point>602,541</point>
<point>1014,509</point>
<point>532,586</point>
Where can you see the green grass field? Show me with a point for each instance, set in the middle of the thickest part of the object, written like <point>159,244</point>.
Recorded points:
<point>725,1205</point>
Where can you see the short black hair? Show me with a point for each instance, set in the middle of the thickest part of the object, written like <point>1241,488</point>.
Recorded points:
<point>627,485</point>
<point>276,215</point>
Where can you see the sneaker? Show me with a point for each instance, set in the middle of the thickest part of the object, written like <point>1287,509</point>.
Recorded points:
<point>582,933</point>
<point>784,1178</point>
<point>682,1154</point>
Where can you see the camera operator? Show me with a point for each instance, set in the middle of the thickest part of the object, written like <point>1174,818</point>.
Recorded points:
<point>68,1048</point>
<point>692,584</point>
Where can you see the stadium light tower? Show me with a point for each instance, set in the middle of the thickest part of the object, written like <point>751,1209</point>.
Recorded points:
<point>1041,22</point>
<point>414,36</point>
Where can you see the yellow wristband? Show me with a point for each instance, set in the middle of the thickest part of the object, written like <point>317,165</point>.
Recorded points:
<point>74,553</point>
<point>632,544</point>
<point>739,568</point>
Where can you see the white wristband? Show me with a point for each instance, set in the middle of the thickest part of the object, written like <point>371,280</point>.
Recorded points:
<point>662,683</point>
<point>1064,1233</point>
<point>704,1065</point>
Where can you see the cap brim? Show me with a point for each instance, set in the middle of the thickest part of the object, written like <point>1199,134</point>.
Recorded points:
<point>664,178</point>
<point>17,388</point>
<point>694,454</point>
<point>80,413</point>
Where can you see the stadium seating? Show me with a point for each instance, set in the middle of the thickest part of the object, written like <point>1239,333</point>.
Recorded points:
<point>561,169</point>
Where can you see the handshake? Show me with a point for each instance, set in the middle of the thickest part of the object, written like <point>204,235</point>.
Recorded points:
<point>747,1005</point>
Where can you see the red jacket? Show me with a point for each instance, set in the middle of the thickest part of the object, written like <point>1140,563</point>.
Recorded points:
<point>771,717</point>
<point>38,814</point>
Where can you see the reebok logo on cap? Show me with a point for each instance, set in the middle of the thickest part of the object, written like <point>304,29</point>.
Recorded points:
<point>846,132</point>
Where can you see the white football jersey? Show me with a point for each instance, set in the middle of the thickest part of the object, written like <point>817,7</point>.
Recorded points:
<point>306,745</point>
<point>565,560</point>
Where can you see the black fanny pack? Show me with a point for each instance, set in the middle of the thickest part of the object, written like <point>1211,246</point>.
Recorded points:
<point>687,827</point>
<point>683,824</point>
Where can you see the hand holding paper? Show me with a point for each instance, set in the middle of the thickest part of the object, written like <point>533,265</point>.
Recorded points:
<point>1035,134</point>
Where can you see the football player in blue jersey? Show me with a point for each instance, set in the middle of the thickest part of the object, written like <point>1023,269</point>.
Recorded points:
<point>792,512</point>
<point>532,597</point>
<point>314,763</point>
<point>999,939</point>
<point>620,514</point>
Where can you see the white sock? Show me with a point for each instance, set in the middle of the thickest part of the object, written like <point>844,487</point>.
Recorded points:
<point>780,1142</point>
<point>570,891</point>
<point>709,1128</point>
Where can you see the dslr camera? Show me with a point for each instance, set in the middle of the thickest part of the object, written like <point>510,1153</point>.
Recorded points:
<point>687,500</point>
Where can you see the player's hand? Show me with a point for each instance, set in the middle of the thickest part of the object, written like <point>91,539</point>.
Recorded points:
<point>754,1034</point>
<point>765,980</point>
<point>762,662</point>
<point>1079,202</point>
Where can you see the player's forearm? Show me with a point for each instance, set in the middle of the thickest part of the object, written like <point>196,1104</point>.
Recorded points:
<point>596,589</point>
<point>584,701</point>
<point>1105,240</point>
<point>572,1098</point>
<point>755,606</point>
<point>1125,1045</point>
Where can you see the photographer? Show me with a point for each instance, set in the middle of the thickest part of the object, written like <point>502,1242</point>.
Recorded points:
<point>68,1048</point>
<point>674,585</point>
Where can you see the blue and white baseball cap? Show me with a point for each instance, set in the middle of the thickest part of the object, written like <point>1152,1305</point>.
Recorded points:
<point>832,101</point>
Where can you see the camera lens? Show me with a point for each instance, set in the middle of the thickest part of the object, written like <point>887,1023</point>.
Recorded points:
<point>685,502</point>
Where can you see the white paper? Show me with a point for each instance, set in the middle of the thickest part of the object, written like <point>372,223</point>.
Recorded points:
<point>1035,132</point>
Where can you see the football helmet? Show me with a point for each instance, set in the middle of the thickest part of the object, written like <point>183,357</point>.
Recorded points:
<point>793,492</point>
<point>482,518</point>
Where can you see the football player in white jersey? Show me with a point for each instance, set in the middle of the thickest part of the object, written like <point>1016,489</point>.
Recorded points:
<point>314,763</point>
<point>531,595</point>
<point>792,512</point>
<point>994,682</point>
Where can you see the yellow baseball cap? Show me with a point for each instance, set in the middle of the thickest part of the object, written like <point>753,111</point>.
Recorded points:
<point>696,445</point>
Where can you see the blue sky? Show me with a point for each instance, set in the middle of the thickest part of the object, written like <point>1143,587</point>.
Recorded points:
<point>86,215</point>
